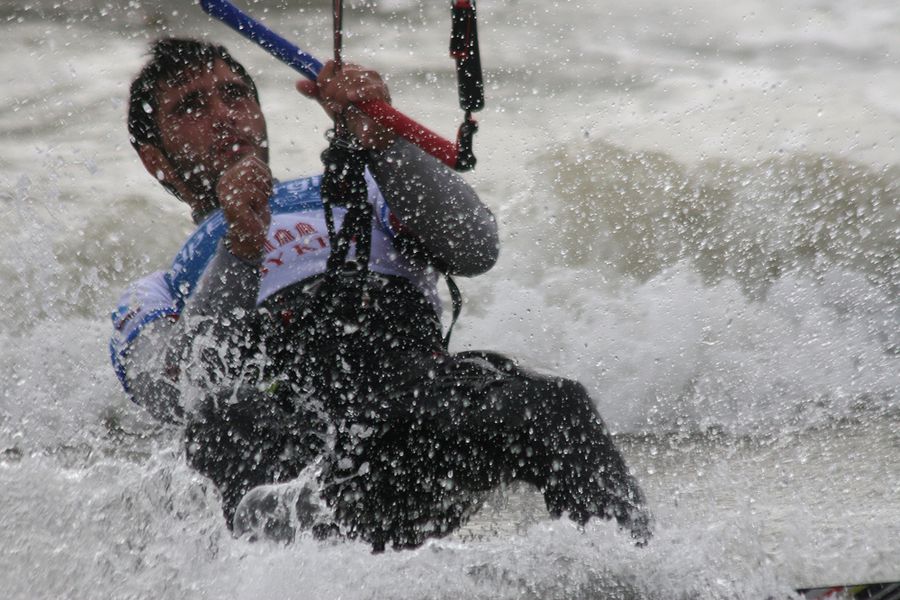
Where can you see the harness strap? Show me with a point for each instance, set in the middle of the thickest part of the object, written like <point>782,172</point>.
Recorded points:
<point>456,299</point>
<point>344,184</point>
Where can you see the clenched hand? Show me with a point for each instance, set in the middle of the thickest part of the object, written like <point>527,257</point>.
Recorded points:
<point>243,191</point>
<point>336,89</point>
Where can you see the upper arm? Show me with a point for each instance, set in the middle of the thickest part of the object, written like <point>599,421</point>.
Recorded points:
<point>144,313</point>
<point>436,206</point>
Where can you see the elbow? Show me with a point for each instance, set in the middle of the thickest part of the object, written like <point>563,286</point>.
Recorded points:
<point>157,396</point>
<point>481,253</point>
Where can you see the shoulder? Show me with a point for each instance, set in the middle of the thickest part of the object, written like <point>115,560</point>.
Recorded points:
<point>144,300</point>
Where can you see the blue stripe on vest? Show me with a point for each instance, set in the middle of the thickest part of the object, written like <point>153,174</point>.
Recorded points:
<point>198,250</point>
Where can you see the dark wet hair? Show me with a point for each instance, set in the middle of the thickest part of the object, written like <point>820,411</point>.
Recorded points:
<point>169,58</point>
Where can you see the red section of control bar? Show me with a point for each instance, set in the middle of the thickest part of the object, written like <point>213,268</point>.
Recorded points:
<point>387,116</point>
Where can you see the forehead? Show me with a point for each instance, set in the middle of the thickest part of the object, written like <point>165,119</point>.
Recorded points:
<point>201,77</point>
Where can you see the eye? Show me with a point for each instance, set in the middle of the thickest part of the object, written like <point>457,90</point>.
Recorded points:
<point>190,104</point>
<point>235,91</point>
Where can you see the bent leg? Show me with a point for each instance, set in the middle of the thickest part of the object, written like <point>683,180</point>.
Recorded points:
<point>550,434</point>
<point>579,468</point>
<point>442,429</point>
<point>245,438</point>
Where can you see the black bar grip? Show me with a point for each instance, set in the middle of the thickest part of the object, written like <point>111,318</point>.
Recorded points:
<point>464,48</point>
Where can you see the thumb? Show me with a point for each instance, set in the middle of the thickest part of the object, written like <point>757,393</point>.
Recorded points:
<point>308,88</point>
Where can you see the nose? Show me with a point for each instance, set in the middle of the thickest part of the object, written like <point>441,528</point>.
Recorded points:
<point>220,110</point>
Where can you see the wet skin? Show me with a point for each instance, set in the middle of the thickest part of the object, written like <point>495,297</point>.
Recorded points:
<point>214,151</point>
<point>214,147</point>
<point>209,121</point>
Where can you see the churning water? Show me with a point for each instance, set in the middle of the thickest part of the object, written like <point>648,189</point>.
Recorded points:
<point>700,210</point>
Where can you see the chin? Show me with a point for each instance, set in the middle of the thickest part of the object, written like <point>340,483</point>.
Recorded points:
<point>233,157</point>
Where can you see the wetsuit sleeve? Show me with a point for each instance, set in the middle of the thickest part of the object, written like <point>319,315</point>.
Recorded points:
<point>438,207</point>
<point>173,361</point>
<point>145,302</point>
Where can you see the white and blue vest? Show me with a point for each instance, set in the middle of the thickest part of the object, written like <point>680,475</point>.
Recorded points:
<point>297,247</point>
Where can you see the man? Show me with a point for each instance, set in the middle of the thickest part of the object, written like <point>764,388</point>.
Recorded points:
<point>276,359</point>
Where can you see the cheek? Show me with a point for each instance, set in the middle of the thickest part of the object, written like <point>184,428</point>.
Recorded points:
<point>172,133</point>
<point>255,122</point>
<point>186,136</point>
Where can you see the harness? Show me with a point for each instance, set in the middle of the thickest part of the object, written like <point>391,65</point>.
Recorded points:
<point>345,160</point>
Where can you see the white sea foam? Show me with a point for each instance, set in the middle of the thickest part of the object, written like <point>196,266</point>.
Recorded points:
<point>699,210</point>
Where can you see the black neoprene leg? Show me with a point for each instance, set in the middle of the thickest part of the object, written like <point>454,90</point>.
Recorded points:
<point>247,438</point>
<point>552,436</point>
<point>442,429</point>
<point>577,466</point>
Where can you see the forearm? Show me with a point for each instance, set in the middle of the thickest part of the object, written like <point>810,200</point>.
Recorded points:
<point>438,207</point>
<point>229,288</point>
<point>204,348</point>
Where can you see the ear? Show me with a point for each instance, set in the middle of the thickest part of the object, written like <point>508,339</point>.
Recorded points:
<point>158,165</point>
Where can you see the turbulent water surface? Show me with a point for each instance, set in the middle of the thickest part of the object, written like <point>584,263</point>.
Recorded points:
<point>700,211</point>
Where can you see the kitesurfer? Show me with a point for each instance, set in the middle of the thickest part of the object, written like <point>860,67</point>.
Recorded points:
<point>274,358</point>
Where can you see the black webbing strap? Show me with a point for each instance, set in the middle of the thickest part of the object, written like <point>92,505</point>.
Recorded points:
<point>456,299</point>
<point>344,184</point>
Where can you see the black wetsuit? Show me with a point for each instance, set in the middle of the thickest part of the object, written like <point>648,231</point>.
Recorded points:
<point>416,431</point>
<point>350,367</point>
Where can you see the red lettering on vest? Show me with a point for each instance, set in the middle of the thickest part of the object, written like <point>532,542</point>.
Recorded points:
<point>302,249</point>
<point>284,237</point>
<point>276,260</point>
<point>304,228</point>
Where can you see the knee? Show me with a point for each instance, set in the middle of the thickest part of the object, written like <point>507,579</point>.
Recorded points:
<point>572,390</point>
<point>568,398</point>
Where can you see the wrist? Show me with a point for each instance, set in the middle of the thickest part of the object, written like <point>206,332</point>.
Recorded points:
<point>383,141</point>
<point>242,249</point>
<point>386,151</point>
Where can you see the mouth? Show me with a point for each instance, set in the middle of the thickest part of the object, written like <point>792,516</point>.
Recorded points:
<point>232,146</point>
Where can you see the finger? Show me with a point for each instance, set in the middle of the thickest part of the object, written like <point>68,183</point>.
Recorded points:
<point>336,84</point>
<point>250,174</point>
<point>308,88</point>
<point>311,89</point>
<point>246,175</point>
<point>371,90</point>
<point>326,73</point>
<point>334,107</point>
<point>254,165</point>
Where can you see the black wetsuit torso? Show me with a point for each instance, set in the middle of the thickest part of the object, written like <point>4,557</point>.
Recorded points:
<point>409,434</point>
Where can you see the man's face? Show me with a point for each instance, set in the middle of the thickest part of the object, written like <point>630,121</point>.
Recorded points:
<point>209,120</point>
